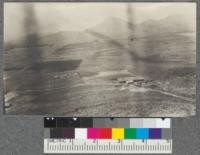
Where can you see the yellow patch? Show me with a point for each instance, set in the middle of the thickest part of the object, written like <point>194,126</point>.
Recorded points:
<point>117,133</point>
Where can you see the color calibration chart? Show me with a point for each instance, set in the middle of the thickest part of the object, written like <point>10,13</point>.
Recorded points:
<point>107,135</point>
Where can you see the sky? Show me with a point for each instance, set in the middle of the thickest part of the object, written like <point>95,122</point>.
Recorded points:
<point>55,17</point>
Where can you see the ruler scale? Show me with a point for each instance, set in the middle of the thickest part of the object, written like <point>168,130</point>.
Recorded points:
<point>105,135</point>
<point>102,146</point>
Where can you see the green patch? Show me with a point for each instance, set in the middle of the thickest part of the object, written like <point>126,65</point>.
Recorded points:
<point>130,133</point>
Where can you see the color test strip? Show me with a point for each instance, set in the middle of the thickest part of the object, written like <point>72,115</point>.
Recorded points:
<point>63,122</point>
<point>86,122</point>
<point>137,135</point>
<point>109,133</point>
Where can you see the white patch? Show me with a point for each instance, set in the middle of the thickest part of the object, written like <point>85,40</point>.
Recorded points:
<point>80,133</point>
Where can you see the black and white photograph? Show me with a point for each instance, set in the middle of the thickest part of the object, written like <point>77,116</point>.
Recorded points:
<point>100,59</point>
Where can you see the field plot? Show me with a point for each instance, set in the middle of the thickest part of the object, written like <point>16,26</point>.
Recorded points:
<point>115,67</point>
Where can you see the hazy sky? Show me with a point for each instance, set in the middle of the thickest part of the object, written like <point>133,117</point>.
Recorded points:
<point>54,17</point>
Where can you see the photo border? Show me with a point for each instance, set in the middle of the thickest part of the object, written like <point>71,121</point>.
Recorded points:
<point>185,130</point>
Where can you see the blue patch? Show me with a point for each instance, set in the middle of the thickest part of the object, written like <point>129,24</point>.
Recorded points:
<point>142,133</point>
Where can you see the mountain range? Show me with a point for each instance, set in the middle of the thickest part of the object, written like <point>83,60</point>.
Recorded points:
<point>113,27</point>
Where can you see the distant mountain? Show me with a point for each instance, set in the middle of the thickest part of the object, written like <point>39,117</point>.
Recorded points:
<point>68,37</point>
<point>113,27</point>
<point>166,26</point>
